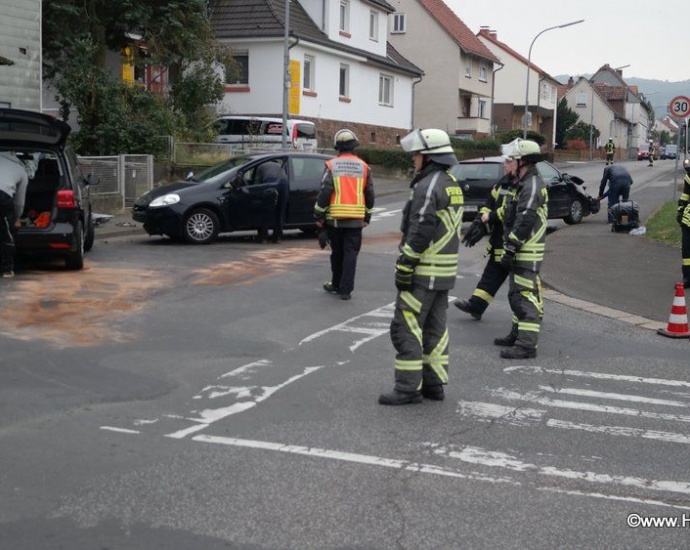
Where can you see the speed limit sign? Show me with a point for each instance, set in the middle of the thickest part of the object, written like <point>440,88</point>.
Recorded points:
<point>680,106</point>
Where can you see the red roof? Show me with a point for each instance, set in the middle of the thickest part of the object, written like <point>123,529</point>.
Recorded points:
<point>460,32</point>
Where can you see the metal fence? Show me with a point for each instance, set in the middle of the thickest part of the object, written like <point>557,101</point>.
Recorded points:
<point>123,177</point>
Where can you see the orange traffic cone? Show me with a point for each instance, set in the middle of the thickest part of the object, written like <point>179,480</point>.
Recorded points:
<point>678,320</point>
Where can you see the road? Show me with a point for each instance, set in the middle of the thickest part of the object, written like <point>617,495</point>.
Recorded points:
<point>215,397</point>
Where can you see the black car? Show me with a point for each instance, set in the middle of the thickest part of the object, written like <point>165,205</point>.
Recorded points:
<point>568,198</point>
<point>57,220</point>
<point>227,198</point>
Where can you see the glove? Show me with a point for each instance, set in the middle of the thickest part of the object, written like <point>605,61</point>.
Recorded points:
<point>508,259</point>
<point>475,233</point>
<point>323,239</point>
<point>404,271</point>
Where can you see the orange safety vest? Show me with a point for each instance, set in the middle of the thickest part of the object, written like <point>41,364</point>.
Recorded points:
<point>349,179</point>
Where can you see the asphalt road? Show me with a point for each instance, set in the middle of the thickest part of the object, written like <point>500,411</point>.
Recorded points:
<point>215,397</point>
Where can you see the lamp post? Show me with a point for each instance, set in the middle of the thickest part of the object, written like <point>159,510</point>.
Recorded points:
<point>525,118</point>
<point>286,73</point>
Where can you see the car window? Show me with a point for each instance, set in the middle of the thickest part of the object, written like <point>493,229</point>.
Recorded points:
<point>548,173</point>
<point>220,173</point>
<point>477,171</point>
<point>272,129</point>
<point>307,172</point>
<point>266,172</point>
<point>305,130</point>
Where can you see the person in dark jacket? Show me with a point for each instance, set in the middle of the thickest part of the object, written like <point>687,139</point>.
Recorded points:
<point>683,218</point>
<point>344,207</point>
<point>425,271</point>
<point>272,172</point>
<point>13,183</point>
<point>489,222</point>
<point>619,181</point>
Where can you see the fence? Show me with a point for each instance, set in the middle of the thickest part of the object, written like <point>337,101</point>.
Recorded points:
<point>123,179</point>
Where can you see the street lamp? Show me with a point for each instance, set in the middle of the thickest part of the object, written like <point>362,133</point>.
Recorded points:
<point>529,64</point>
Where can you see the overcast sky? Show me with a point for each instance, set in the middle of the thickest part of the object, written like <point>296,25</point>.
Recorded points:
<point>653,38</point>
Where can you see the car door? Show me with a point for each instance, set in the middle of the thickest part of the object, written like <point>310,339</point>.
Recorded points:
<point>559,195</point>
<point>305,181</point>
<point>252,203</point>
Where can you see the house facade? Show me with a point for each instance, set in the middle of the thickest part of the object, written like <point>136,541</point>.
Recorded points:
<point>510,87</point>
<point>342,69</point>
<point>455,93</point>
<point>20,54</point>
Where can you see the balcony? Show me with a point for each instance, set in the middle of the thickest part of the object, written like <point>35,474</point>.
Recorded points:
<point>472,126</point>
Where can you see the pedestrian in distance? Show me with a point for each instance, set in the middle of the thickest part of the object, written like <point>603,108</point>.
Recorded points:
<point>425,271</point>
<point>524,220</point>
<point>651,153</point>
<point>610,151</point>
<point>272,172</point>
<point>344,207</point>
<point>619,181</point>
<point>683,219</point>
<point>13,184</point>
<point>488,221</point>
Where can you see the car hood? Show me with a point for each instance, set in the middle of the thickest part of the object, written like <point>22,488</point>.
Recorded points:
<point>20,128</point>
<point>175,187</point>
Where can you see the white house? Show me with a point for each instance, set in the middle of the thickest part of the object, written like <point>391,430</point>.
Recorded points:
<point>20,54</point>
<point>343,71</point>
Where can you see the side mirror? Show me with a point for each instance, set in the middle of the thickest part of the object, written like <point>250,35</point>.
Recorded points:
<point>190,176</point>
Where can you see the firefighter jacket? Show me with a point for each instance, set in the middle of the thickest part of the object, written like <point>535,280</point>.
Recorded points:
<point>524,220</point>
<point>500,192</point>
<point>431,223</point>
<point>346,198</point>
<point>683,216</point>
<point>610,148</point>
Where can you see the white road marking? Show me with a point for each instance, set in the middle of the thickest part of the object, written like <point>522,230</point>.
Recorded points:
<point>120,430</point>
<point>615,396</point>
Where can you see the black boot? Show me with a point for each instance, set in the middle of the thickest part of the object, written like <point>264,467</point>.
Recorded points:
<point>507,341</point>
<point>435,393</point>
<point>466,306</point>
<point>518,352</point>
<point>399,398</point>
<point>330,287</point>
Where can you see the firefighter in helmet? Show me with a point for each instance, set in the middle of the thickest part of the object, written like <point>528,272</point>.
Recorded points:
<point>610,151</point>
<point>683,218</point>
<point>651,153</point>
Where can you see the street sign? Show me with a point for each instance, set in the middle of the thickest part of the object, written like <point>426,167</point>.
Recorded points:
<point>680,106</point>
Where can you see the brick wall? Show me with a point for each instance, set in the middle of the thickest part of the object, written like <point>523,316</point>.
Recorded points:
<point>369,135</point>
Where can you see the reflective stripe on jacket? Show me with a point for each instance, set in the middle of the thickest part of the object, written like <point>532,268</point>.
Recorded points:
<point>349,174</point>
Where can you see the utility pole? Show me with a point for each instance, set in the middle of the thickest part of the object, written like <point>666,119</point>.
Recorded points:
<point>286,73</point>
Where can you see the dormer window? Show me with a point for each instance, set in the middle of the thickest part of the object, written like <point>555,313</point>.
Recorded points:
<point>374,26</point>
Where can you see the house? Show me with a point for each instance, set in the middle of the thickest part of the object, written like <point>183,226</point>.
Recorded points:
<point>456,91</point>
<point>20,54</point>
<point>342,69</point>
<point>510,90</point>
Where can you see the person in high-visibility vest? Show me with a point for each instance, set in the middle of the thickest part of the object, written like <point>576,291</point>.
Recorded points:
<point>610,151</point>
<point>425,271</point>
<point>344,207</point>
<point>651,153</point>
<point>683,218</point>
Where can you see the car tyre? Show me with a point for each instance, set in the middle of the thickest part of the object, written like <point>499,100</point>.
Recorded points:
<point>75,260</point>
<point>576,212</point>
<point>90,235</point>
<point>201,226</point>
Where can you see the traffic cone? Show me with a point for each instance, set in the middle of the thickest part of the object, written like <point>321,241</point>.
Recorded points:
<point>678,320</point>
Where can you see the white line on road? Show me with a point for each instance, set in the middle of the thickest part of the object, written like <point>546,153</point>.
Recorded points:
<point>615,396</point>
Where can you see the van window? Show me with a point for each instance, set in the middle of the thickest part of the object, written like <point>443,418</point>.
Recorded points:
<point>305,130</point>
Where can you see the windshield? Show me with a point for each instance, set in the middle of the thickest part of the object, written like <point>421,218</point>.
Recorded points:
<point>477,171</point>
<point>220,172</point>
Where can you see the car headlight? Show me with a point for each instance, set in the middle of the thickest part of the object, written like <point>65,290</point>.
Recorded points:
<point>165,200</point>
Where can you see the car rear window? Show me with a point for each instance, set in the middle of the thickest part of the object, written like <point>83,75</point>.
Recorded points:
<point>477,171</point>
<point>305,130</point>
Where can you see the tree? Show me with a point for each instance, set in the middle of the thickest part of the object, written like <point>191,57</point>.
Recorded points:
<point>114,116</point>
<point>565,119</point>
<point>581,131</point>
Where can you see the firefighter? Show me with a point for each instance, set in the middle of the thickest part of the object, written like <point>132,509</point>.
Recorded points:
<point>13,183</point>
<point>344,207</point>
<point>651,153</point>
<point>425,271</point>
<point>610,149</point>
<point>683,218</point>
<point>494,274</point>
<point>524,220</point>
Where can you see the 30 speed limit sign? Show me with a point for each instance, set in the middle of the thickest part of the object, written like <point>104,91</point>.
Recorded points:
<point>680,106</point>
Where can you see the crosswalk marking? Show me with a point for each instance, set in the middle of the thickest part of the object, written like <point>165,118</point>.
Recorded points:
<point>598,376</point>
<point>614,396</point>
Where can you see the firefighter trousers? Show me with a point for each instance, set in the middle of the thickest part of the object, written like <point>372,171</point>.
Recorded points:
<point>7,233</point>
<point>492,278</point>
<point>420,338</point>
<point>685,252</point>
<point>345,245</point>
<point>525,298</point>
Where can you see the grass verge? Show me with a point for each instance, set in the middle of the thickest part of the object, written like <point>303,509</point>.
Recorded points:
<point>662,226</point>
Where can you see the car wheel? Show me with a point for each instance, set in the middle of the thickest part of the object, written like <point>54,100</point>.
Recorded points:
<point>576,212</point>
<point>201,226</point>
<point>76,259</point>
<point>90,235</point>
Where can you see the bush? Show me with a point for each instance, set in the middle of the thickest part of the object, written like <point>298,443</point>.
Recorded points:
<point>506,136</point>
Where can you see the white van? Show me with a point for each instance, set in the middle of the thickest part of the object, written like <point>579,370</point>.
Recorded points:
<point>265,132</point>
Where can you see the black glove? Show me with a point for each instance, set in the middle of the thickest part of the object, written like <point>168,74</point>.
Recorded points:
<point>475,233</point>
<point>323,238</point>
<point>508,259</point>
<point>404,270</point>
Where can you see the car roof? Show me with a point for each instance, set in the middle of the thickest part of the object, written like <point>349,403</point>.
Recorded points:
<point>20,128</point>
<point>298,154</point>
<point>260,118</point>
<point>498,160</point>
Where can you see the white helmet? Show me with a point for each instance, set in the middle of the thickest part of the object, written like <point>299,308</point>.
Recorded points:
<point>523,149</point>
<point>432,142</point>
<point>345,140</point>
<point>686,165</point>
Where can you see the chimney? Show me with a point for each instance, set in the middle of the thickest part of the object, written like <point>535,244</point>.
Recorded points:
<point>571,82</point>
<point>620,72</point>
<point>493,35</point>
<point>484,31</point>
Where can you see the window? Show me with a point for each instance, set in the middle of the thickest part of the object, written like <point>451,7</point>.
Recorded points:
<point>482,108</point>
<point>344,15</point>
<point>386,90</point>
<point>344,81</point>
<point>308,77</point>
<point>374,25</point>
<point>399,23</point>
<point>482,73</point>
<point>240,73</point>
<point>468,68</point>
<point>581,100</point>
